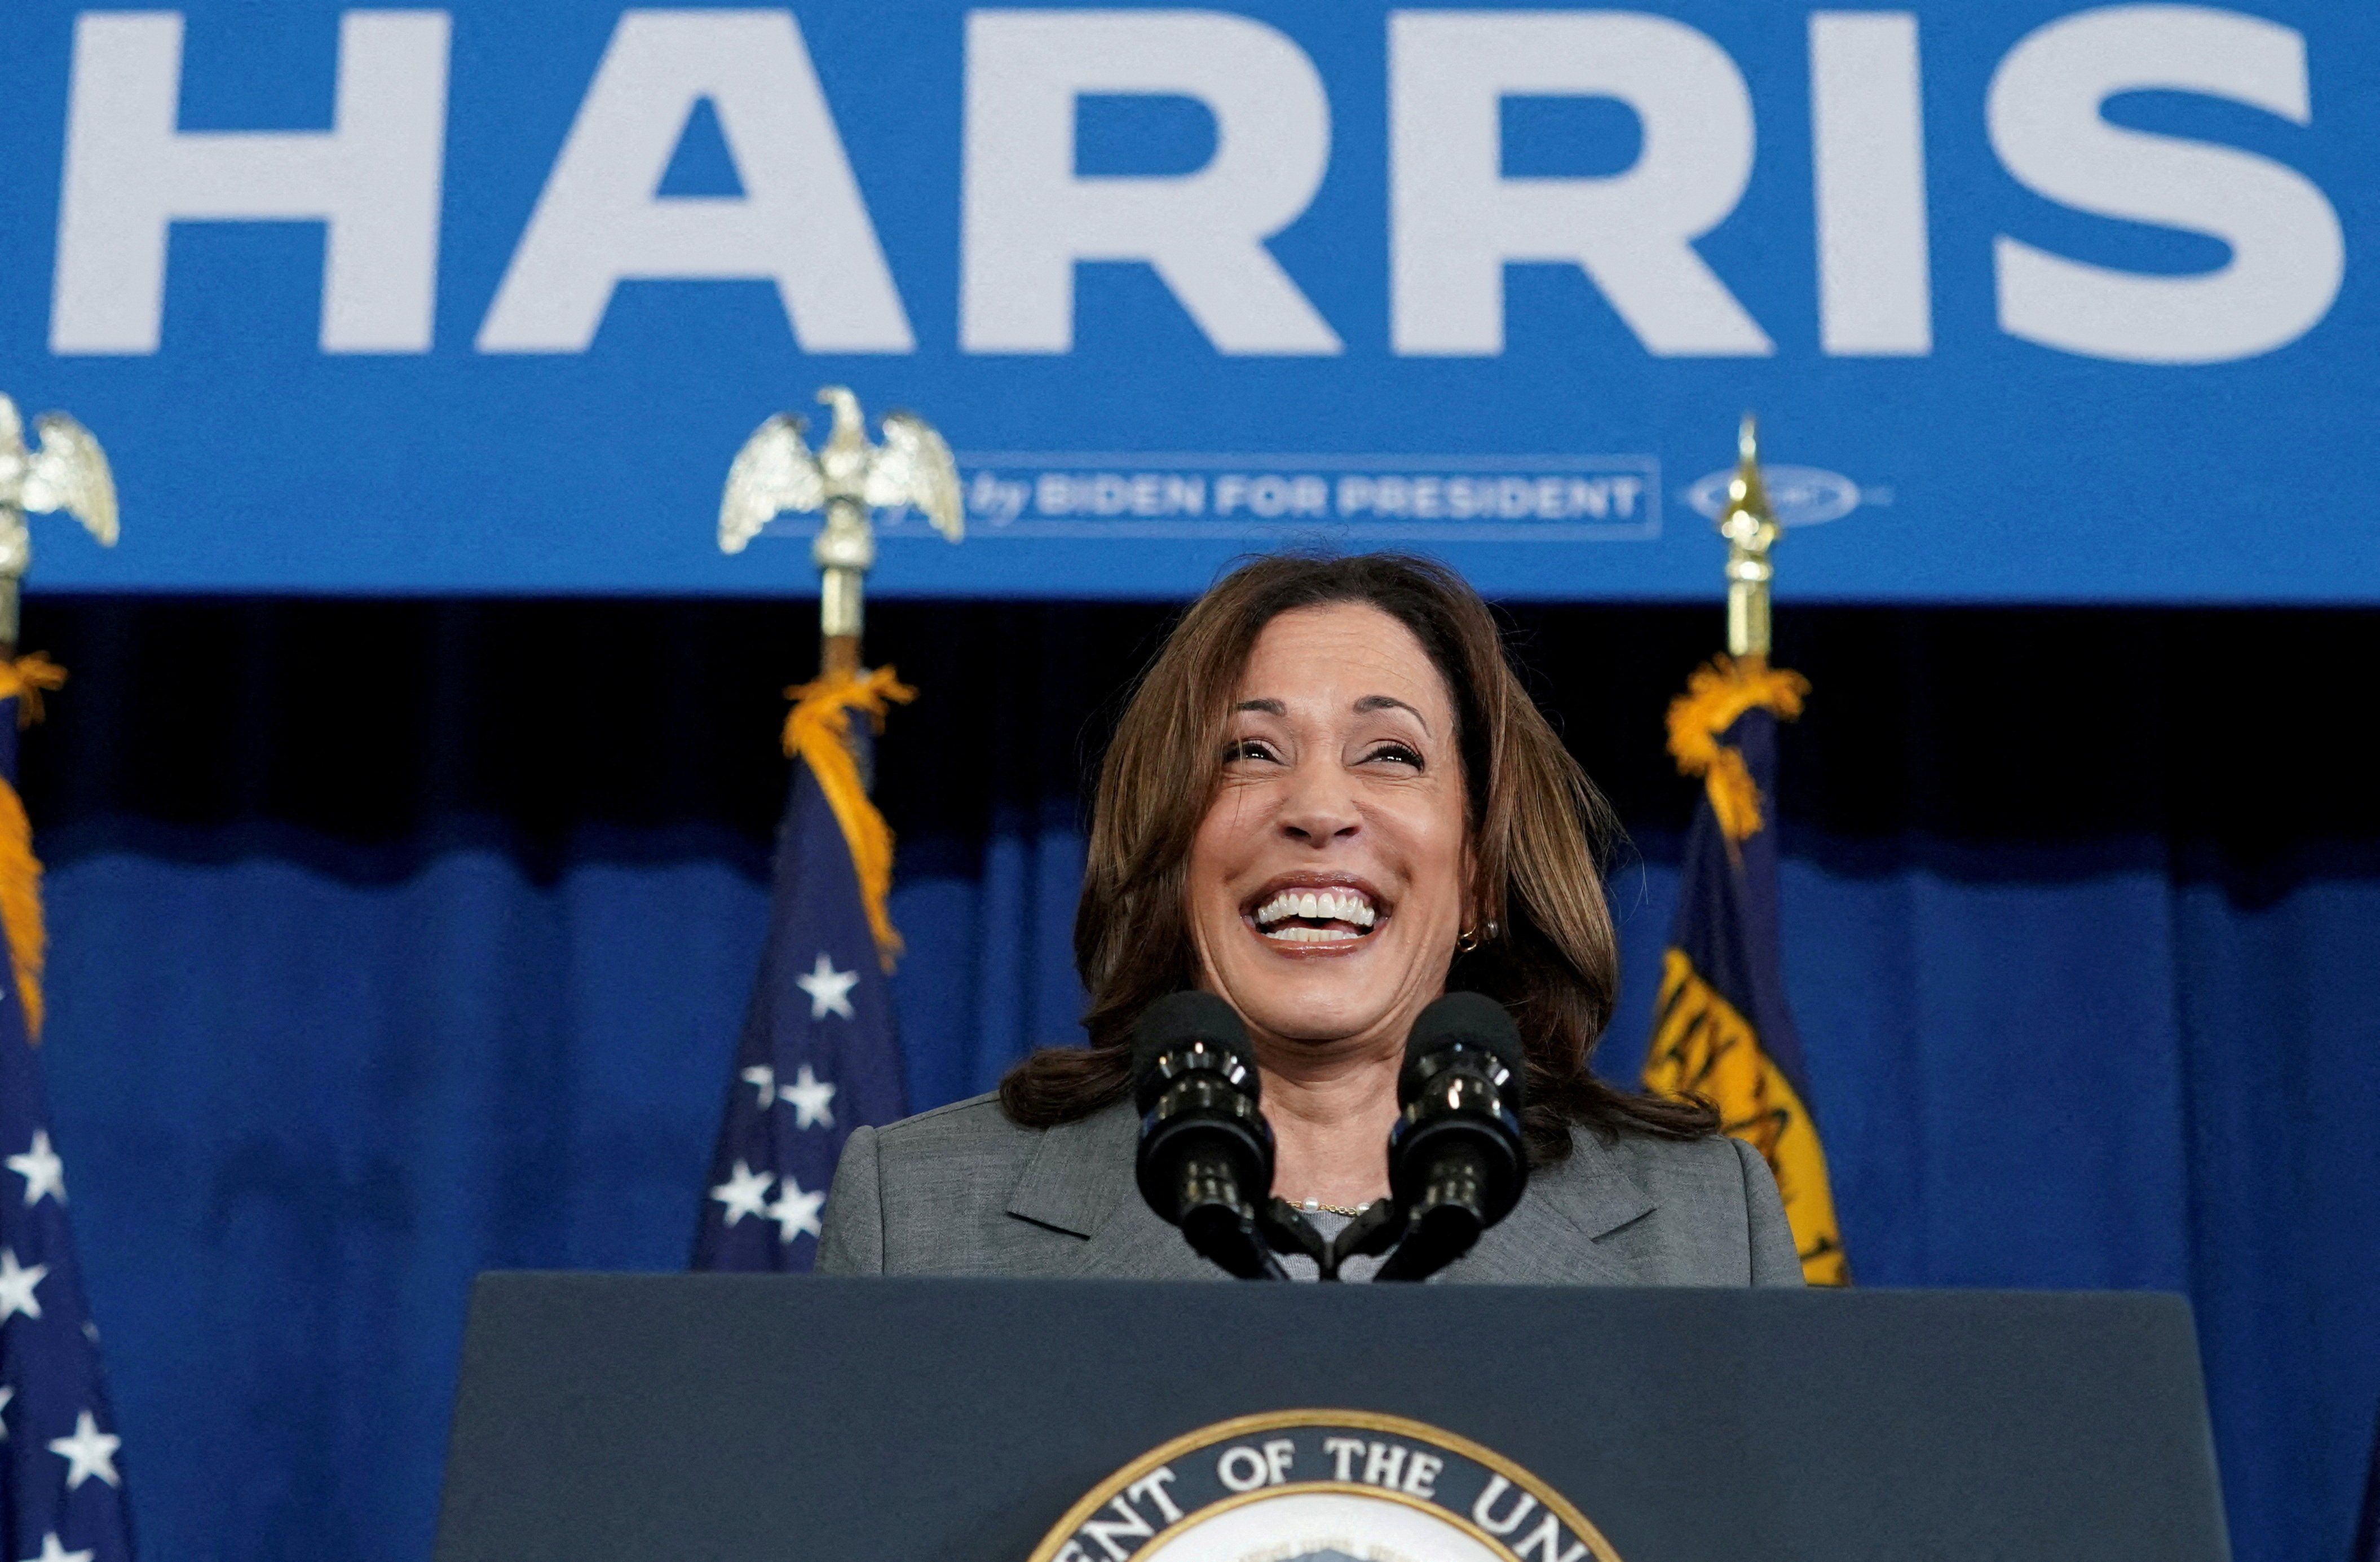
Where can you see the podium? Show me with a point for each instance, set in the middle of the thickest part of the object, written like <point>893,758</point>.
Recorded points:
<point>738,1418</point>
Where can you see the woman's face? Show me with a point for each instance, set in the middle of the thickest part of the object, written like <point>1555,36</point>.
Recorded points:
<point>1326,881</point>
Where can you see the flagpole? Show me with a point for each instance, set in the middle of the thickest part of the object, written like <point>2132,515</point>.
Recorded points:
<point>1751,529</point>
<point>843,552</point>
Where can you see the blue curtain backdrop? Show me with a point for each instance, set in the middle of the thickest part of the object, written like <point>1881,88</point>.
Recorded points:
<point>393,941</point>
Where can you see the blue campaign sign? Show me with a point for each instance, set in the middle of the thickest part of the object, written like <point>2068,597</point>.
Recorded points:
<point>2036,301</point>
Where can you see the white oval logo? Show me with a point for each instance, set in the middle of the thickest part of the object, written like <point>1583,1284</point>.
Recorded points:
<point>1799,496</point>
<point>1322,1486</point>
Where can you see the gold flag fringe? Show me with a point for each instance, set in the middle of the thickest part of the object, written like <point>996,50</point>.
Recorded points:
<point>24,679</point>
<point>1714,697</point>
<point>818,731</point>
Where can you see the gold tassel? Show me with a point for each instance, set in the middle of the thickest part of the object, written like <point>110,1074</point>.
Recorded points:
<point>1714,697</point>
<point>21,906</point>
<point>818,731</point>
<point>24,680</point>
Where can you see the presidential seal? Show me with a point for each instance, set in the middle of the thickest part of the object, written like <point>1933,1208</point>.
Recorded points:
<point>1323,1486</point>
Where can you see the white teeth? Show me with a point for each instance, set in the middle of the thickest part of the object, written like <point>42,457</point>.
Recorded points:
<point>1296,934</point>
<point>1329,904</point>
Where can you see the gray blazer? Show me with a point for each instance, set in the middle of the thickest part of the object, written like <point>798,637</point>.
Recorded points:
<point>962,1190</point>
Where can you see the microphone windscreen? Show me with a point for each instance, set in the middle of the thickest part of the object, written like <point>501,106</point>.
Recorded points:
<point>1466,1019</point>
<point>1178,1019</point>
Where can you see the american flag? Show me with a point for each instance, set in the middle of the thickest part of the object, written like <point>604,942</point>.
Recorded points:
<point>819,1055</point>
<point>61,1478</point>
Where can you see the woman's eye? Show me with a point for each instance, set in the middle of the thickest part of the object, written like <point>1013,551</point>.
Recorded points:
<point>1395,753</point>
<point>1246,748</point>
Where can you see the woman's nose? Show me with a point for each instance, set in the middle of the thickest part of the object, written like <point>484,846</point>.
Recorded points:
<point>1320,806</point>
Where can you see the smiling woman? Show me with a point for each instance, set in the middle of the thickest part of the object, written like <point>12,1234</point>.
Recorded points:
<point>1328,801</point>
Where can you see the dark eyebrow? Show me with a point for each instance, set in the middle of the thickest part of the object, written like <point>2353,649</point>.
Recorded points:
<point>1270,707</point>
<point>1383,702</point>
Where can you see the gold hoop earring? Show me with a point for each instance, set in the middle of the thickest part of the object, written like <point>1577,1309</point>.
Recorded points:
<point>1466,941</point>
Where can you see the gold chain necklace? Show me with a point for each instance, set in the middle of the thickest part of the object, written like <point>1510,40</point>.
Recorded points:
<point>1316,1206</point>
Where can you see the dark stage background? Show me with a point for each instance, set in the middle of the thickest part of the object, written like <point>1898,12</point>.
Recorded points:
<point>397,939</point>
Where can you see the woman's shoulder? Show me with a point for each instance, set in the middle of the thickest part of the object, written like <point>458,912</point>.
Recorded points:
<point>1660,1161</point>
<point>965,1190</point>
<point>1715,1170</point>
<point>1674,1211</point>
<point>1612,1166</point>
<point>975,1128</point>
<point>973,1153</point>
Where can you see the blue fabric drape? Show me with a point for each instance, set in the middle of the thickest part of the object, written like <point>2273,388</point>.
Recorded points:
<point>357,990</point>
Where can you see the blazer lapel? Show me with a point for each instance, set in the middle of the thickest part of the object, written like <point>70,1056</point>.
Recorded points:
<point>1549,1239</point>
<point>1080,1181</point>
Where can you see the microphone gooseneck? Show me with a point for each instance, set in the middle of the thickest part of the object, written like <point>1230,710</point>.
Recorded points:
<point>1206,1149</point>
<point>1457,1163</point>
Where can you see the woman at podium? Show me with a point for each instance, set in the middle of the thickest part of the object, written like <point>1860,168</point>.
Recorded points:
<point>1328,801</point>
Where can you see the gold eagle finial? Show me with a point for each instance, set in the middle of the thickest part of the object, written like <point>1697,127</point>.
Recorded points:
<point>848,479</point>
<point>68,471</point>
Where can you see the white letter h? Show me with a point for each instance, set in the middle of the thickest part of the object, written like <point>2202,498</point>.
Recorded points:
<point>374,178</point>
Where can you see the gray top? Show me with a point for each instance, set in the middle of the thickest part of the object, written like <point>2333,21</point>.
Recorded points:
<point>1358,1268</point>
<point>962,1190</point>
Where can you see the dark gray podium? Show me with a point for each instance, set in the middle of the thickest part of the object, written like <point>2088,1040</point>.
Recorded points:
<point>734,1418</point>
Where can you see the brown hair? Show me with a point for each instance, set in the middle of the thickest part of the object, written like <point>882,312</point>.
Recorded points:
<point>1538,829</point>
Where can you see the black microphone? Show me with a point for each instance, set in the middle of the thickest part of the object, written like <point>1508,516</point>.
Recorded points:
<point>1457,1163</point>
<point>1206,1151</point>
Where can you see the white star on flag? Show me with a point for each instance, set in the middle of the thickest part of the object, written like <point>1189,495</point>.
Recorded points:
<point>42,1169</point>
<point>829,989</point>
<point>763,1078</point>
<point>88,1453</point>
<point>746,1192</point>
<point>811,1098</point>
<point>795,1212</point>
<point>17,1287</point>
<point>52,1552</point>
